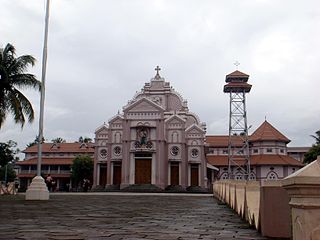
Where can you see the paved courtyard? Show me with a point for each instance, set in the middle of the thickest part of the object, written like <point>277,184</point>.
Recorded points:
<point>126,216</point>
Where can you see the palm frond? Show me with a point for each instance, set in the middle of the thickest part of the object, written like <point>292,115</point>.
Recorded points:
<point>21,64</point>
<point>26,80</point>
<point>25,105</point>
<point>15,108</point>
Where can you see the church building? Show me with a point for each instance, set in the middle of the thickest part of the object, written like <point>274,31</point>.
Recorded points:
<point>154,141</point>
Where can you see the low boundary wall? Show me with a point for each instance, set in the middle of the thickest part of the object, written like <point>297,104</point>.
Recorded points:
<point>265,205</point>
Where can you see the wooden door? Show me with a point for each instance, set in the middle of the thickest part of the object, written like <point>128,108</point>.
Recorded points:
<point>103,175</point>
<point>174,173</point>
<point>194,175</point>
<point>117,174</point>
<point>143,171</point>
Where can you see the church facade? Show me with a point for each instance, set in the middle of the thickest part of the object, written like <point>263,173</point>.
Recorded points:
<point>156,140</point>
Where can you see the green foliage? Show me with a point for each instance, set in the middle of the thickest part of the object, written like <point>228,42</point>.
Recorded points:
<point>84,140</point>
<point>11,174</point>
<point>312,154</point>
<point>58,140</point>
<point>82,167</point>
<point>317,137</point>
<point>7,152</point>
<point>13,78</point>
<point>35,142</point>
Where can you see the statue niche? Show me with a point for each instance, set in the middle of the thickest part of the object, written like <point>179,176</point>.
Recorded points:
<point>143,138</point>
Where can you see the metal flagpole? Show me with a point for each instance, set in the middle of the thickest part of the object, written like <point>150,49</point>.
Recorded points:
<point>38,189</point>
<point>43,80</point>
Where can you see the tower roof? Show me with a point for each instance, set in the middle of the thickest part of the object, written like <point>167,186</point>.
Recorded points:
<point>237,76</point>
<point>267,132</point>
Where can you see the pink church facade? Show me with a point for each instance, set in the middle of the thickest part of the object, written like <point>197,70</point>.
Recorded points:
<point>156,140</point>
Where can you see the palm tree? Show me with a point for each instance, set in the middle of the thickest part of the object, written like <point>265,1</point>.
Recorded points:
<point>84,140</point>
<point>58,140</point>
<point>317,137</point>
<point>13,77</point>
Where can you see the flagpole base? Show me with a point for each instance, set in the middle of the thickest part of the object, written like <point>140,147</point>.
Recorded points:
<point>37,190</point>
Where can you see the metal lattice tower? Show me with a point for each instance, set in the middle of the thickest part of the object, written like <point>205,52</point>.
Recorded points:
<point>238,148</point>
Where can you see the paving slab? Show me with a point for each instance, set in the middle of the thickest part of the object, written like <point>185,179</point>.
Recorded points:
<point>121,216</point>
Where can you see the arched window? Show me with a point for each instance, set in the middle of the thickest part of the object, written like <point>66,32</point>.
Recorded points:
<point>117,137</point>
<point>224,176</point>
<point>272,176</point>
<point>175,137</point>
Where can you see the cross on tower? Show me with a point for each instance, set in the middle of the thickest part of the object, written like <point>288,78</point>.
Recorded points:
<point>236,64</point>
<point>157,69</point>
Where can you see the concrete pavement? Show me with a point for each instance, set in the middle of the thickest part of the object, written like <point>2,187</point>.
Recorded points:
<point>121,216</point>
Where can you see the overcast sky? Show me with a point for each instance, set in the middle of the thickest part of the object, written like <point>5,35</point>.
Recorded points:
<point>101,52</point>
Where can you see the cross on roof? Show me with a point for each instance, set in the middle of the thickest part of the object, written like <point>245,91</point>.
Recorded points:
<point>236,64</point>
<point>157,69</point>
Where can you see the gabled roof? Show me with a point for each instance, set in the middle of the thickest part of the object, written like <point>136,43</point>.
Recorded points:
<point>266,132</point>
<point>263,159</point>
<point>237,73</point>
<point>62,147</point>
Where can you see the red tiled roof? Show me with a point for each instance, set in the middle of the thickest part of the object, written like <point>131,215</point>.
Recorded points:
<point>47,161</point>
<point>237,74</point>
<point>62,147</point>
<point>237,86</point>
<point>55,175</point>
<point>266,132</point>
<point>223,140</point>
<point>262,159</point>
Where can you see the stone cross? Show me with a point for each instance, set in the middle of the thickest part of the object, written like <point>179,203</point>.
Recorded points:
<point>157,69</point>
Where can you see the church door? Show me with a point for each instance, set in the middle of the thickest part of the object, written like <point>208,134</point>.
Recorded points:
<point>117,174</point>
<point>103,175</point>
<point>174,173</point>
<point>194,175</point>
<point>143,169</point>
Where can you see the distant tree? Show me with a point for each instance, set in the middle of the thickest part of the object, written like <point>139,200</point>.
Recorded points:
<point>82,167</point>
<point>11,174</point>
<point>58,140</point>
<point>312,154</point>
<point>317,137</point>
<point>314,151</point>
<point>84,140</point>
<point>8,151</point>
<point>13,78</point>
<point>35,142</point>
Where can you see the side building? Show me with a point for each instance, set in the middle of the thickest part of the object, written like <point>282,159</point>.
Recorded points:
<point>154,141</point>
<point>269,157</point>
<point>57,159</point>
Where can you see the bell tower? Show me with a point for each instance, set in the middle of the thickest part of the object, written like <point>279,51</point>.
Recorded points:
<point>238,148</point>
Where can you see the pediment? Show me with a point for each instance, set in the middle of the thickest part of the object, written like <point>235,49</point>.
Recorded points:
<point>194,129</point>
<point>102,129</point>
<point>143,105</point>
<point>117,119</point>
<point>175,119</point>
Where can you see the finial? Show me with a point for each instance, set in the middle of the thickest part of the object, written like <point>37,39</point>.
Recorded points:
<point>118,112</point>
<point>265,118</point>
<point>236,64</point>
<point>157,75</point>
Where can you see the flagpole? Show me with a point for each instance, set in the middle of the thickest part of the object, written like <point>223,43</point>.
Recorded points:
<point>43,80</point>
<point>38,189</point>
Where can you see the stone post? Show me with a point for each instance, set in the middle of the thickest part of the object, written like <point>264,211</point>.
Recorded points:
<point>303,188</point>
